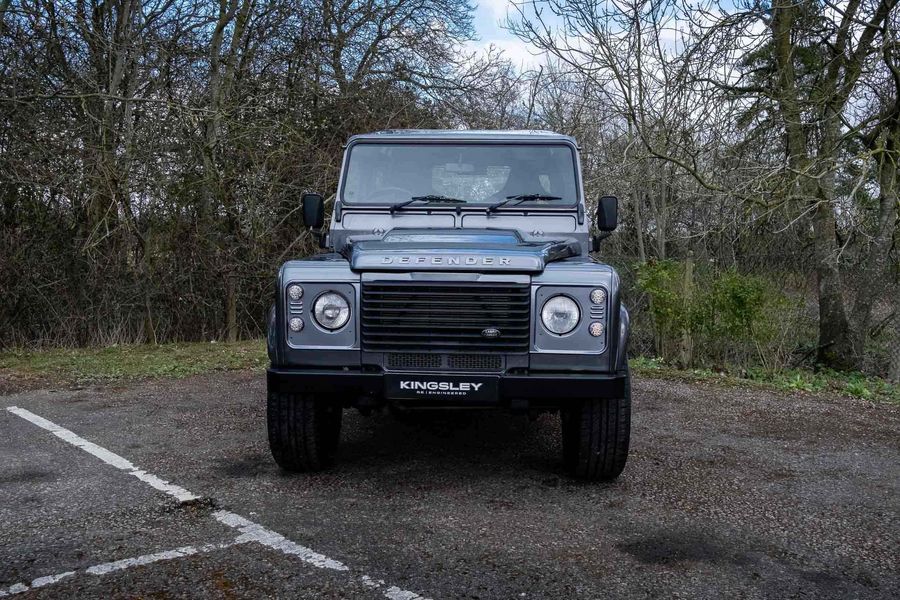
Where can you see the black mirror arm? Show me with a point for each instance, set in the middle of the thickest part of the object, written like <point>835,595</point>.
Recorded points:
<point>323,230</point>
<point>320,234</point>
<point>596,239</point>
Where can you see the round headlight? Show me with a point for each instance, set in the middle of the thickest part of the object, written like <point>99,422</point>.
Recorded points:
<point>331,310</point>
<point>560,314</point>
<point>598,296</point>
<point>295,292</point>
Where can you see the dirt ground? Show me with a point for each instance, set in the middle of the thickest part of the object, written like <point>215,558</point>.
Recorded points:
<point>728,493</point>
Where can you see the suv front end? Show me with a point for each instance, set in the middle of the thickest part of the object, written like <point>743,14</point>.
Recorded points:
<point>457,306</point>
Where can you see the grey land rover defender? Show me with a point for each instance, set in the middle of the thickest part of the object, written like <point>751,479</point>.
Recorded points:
<point>456,274</point>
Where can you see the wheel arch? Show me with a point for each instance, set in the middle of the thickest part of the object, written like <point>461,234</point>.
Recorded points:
<point>624,334</point>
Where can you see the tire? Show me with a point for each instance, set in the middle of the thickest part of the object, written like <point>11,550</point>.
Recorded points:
<point>303,431</point>
<point>595,437</point>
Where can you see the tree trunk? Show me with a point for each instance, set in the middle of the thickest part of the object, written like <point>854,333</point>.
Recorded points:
<point>637,202</point>
<point>223,73</point>
<point>231,327</point>
<point>661,216</point>
<point>639,226</point>
<point>874,268</point>
<point>686,348</point>
<point>835,347</point>
<point>149,327</point>
<point>894,369</point>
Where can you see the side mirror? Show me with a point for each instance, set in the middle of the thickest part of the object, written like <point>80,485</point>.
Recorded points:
<point>313,210</point>
<point>607,213</point>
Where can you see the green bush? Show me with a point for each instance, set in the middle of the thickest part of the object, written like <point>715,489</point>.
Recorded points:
<point>736,307</point>
<point>662,281</point>
<point>719,317</point>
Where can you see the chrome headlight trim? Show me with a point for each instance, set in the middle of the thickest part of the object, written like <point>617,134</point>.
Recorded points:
<point>331,311</point>
<point>560,314</point>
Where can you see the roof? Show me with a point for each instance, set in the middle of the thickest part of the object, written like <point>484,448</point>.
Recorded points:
<point>465,134</point>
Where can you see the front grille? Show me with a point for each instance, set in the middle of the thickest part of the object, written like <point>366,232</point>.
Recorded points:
<point>445,317</point>
<point>422,361</point>
<point>475,362</point>
<point>417,361</point>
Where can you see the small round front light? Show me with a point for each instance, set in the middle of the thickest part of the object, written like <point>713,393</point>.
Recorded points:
<point>596,329</point>
<point>295,292</point>
<point>331,310</point>
<point>598,296</point>
<point>296,324</point>
<point>560,314</point>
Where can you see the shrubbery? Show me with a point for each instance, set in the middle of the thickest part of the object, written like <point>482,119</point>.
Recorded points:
<point>704,316</point>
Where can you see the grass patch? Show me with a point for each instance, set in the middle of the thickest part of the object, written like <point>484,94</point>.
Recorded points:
<point>132,362</point>
<point>117,363</point>
<point>857,385</point>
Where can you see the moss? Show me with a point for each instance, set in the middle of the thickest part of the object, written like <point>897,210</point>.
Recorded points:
<point>119,363</point>
<point>133,362</point>
<point>853,384</point>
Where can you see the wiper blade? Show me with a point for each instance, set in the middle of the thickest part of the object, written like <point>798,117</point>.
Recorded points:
<point>428,199</point>
<point>520,198</point>
<point>436,198</point>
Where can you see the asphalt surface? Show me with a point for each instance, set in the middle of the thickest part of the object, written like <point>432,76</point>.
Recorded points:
<point>727,493</point>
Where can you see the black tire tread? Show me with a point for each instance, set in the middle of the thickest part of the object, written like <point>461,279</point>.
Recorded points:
<point>303,431</point>
<point>596,437</point>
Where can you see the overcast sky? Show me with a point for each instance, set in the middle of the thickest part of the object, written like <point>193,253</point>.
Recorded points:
<point>487,16</point>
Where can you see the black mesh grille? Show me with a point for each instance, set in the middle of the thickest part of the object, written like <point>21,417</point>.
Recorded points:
<point>422,361</point>
<point>475,362</point>
<point>445,317</point>
<point>414,361</point>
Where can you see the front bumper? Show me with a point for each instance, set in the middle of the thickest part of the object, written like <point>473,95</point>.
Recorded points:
<point>368,388</point>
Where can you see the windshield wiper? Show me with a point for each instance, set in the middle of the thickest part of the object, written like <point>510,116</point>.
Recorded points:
<point>428,199</point>
<point>519,199</point>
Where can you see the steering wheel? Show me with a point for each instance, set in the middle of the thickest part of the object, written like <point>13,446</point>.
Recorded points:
<point>390,193</point>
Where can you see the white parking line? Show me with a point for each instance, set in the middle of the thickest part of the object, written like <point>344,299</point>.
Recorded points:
<point>120,565</point>
<point>254,532</point>
<point>250,531</point>
<point>110,458</point>
<point>392,592</point>
<point>37,583</point>
<point>127,563</point>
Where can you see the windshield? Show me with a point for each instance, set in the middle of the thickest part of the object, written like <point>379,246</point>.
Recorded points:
<point>474,173</point>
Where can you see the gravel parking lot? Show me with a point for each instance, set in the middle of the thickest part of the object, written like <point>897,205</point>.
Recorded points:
<point>728,493</point>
